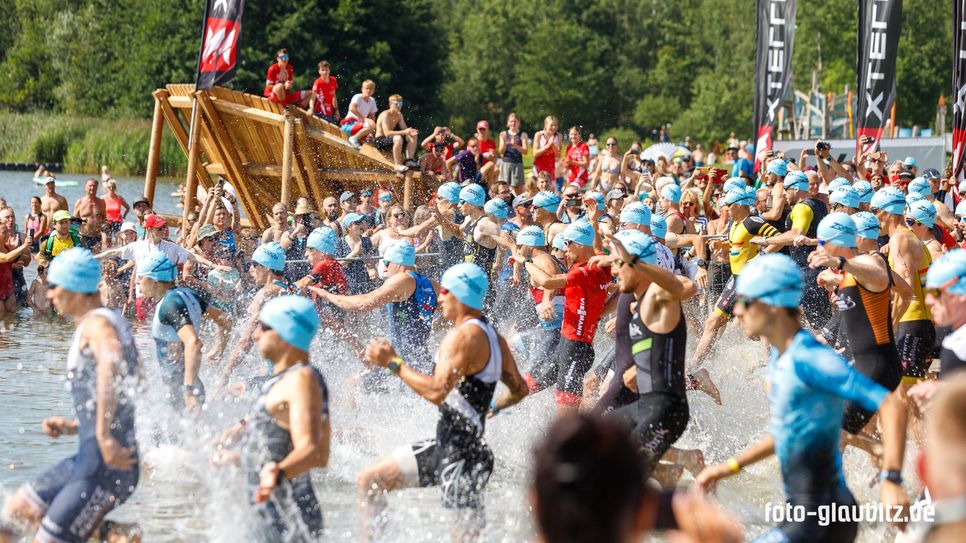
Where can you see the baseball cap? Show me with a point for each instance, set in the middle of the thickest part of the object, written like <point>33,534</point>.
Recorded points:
<point>128,227</point>
<point>61,215</point>
<point>346,196</point>
<point>615,194</point>
<point>483,124</point>
<point>931,173</point>
<point>141,200</point>
<point>293,318</point>
<point>207,231</point>
<point>49,180</point>
<point>352,218</point>
<point>155,221</point>
<point>522,200</point>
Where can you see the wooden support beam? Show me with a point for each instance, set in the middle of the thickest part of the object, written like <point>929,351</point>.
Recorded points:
<point>178,131</point>
<point>356,176</point>
<point>216,168</point>
<point>180,102</point>
<point>221,140</point>
<point>251,113</point>
<point>157,126</point>
<point>267,170</point>
<point>307,159</point>
<point>408,191</point>
<point>194,151</point>
<point>287,136</point>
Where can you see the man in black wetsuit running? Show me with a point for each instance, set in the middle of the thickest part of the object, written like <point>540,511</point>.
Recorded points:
<point>470,361</point>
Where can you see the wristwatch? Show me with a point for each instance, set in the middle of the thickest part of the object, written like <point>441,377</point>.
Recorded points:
<point>842,262</point>
<point>702,263</point>
<point>395,364</point>
<point>891,475</point>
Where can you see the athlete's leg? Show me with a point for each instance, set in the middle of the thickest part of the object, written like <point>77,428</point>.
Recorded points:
<point>406,467</point>
<point>713,327</point>
<point>22,511</point>
<point>691,459</point>
<point>667,475</point>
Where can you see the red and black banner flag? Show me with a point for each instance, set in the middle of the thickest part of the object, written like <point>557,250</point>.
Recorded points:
<point>773,69</point>
<point>879,24</point>
<point>218,54</point>
<point>959,86</point>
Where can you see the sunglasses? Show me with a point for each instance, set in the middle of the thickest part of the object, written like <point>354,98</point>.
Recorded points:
<point>283,57</point>
<point>398,215</point>
<point>911,222</point>
<point>745,301</point>
<point>612,145</point>
<point>398,104</point>
<point>264,327</point>
<point>443,291</point>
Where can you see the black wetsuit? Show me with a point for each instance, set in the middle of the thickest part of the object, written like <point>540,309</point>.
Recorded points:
<point>867,324</point>
<point>484,257</point>
<point>410,322</point>
<point>952,354</point>
<point>180,307</point>
<point>292,513</point>
<point>815,303</point>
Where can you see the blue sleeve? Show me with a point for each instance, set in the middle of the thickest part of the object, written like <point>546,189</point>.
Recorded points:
<point>173,312</point>
<point>829,372</point>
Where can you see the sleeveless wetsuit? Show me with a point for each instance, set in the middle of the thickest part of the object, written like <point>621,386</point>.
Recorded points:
<point>409,324</point>
<point>180,307</point>
<point>806,380</point>
<point>483,257</point>
<point>292,513</point>
<point>458,460</point>
<point>806,215</point>
<point>867,323</point>
<point>77,493</point>
<point>660,415</point>
<point>916,334</point>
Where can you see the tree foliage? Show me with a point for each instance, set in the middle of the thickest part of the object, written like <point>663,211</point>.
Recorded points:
<point>634,64</point>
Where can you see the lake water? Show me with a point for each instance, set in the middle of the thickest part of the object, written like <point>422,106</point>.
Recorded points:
<point>182,498</point>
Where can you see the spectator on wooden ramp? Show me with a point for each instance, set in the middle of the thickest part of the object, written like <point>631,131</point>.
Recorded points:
<point>278,83</point>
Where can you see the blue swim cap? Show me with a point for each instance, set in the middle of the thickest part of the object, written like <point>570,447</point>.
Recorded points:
<point>579,231</point>
<point>293,318</point>
<point>837,228</point>
<point>497,207</point>
<point>672,193</point>
<point>890,200</point>
<point>559,243</point>
<point>919,185</point>
<point>778,167</point>
<point>352,218</point>
<point>734,183</point>
<point>948,272</point>
<point>845,196</point>
<point>271,255</point>
<point>596,197</point>
<point>75,270</point>
<point>636,213</point>
<point>910,162</point>
<point>156,265</point>
<point>962,186</point>
<point>323,240</point>
<point>658,226</point>
<point>468,282</point>
<point>864,190</point>
<point>866,225</point>
<point>473,194</point>
<point>913,197</point>
<point>961,209</point>
<point>547,201</point>
<point>402,253</point>
<point>924,212</point>
<point>640,245</point>
<point>796,180</point>
<point>532,236</point>
<point>745,197</point>
<point>773,279</point>
<point>449,191</point>
<point>837,183</point>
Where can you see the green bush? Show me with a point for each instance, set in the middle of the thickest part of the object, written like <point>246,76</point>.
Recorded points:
<point>51,144</point>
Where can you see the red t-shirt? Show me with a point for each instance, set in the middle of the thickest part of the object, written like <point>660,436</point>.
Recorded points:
<point>546,162</point>
<point>327,92</point>
<point>578,152</point>
<point>447,150</point>
<point>584,299</point>
<point>487,146</point>
<point>275,75</point>
<point>330,275</point>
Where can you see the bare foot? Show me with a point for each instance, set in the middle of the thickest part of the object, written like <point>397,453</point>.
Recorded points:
<point>702,382</point>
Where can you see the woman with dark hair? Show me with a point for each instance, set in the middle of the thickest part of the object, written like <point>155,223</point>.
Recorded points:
<point>589,487</point>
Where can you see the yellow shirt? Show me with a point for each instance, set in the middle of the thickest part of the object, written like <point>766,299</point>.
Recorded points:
<point>60,245</point>
<point>917,310</point>
<point>739,236</point>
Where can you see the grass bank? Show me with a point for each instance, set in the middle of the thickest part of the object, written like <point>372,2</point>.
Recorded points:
<point>83,144</point>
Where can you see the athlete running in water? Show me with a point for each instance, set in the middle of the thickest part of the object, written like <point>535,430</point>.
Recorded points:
<point>68,502</point>
<point>268,271</point>
<point>176,330</point>
<point>286,434</point>
<point>809,385</point>
<point>584,287</point>
<point>863,285</point>
<point>549,305</point>
<point>650,355</point>
<point>409,299</point>
<point>470,361</point>
<point>545,205</point>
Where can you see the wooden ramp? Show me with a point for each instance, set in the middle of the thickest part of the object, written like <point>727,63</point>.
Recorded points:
<point>269,154</point>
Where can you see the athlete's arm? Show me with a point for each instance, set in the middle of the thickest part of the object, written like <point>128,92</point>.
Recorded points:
<point>310,431</point>
<point>544,280</point>
<point>246,338</point>
<point>801,216</point>
<point>105,347</point>
<point>901,297</point>
<point>906,256</point>
<point>395,289</point>
<point>755,453</point>
<point>223,322</point>
<point>510,375</point>
<point>416,231</point>
<point>113,252</point>
<point>892,419</point>
<point>868,270</point>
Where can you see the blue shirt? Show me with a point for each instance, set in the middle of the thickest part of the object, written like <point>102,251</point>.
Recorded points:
<point>809,386</point>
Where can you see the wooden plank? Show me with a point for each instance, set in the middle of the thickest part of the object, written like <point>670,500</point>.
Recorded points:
<point>238,175</point>
<point>157,126</point>
<point>181,136</point>
<point>305,159</point>
<point>251,113</point>
<point>194,152</point>
<point>216,168</point>
<point>180,102</point>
